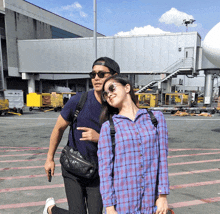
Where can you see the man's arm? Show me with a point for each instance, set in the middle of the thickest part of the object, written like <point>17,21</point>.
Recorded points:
<point>55,139</point>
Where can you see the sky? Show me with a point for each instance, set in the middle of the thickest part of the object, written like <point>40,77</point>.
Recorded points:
<point>138,17</point>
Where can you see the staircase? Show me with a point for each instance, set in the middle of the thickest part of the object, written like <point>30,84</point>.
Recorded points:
<point>181,67</point>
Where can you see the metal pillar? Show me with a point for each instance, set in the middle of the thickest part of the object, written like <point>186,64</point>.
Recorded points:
<point>87,84</point>
<point>2,81</point>
<point>41,86</point>
<point>209,82</point>
<point>95,29</point>
<point>31,84</point>
<point>67,83</point>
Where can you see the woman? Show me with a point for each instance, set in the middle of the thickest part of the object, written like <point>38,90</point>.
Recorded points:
<point>82,194</point>
<point>137,177</point>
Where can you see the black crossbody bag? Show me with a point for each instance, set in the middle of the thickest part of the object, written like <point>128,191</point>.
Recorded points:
<point>71,159</point>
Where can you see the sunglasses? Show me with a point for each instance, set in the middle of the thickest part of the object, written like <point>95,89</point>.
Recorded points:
<point>112,87</point>
<point>101,74</point>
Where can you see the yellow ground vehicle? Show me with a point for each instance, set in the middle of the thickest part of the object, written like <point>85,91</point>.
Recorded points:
<point>4,106</point>
<point>53,101</point>
<point>176,99</point>
<point>147,100</point>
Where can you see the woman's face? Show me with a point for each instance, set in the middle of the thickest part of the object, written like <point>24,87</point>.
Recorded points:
<point>115,93</point>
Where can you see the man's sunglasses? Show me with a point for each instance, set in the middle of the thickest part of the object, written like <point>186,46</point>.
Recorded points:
<point>101,74</point>
<point>112,87</point>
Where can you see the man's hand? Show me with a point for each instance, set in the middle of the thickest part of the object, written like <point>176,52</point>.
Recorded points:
<point>49,166</point>
<point>162,204</point>
<point>89,134</point>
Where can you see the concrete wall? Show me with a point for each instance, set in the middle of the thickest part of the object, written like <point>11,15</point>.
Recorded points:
<point>18,26</point>
<point>42,15</point>
<point>24,21</point>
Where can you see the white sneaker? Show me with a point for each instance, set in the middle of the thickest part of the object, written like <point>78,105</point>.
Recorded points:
<point>49,202</point>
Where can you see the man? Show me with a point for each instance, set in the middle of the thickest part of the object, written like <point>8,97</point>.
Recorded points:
<point>82,193</point>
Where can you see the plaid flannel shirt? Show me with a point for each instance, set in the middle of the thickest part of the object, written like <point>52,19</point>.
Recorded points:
<point>140,165</point>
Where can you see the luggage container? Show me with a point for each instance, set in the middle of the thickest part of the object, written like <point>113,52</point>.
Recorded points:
<point>16,100</point>
<point>147,100</point>
<point>40,101</point>
<point>53,101</point>
<point>4,106</point>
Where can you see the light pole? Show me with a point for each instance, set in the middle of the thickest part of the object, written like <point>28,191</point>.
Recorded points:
<point>95,29</point>
<point>187,22</point>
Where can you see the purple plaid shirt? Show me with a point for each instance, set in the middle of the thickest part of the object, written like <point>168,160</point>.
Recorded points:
<point>140,166</point>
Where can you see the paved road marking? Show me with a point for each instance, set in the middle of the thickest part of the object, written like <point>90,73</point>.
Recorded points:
<point>195,184</point>
<point>193,172</point>
<point>29,204</point>
<point>193,162</point>
<point>193,149</point>
<point>194,202</point>
<point>23,167</point>
<point>14,161</point>
<point>198,154</point>
<point>27,176</point>
<point>31,188</point>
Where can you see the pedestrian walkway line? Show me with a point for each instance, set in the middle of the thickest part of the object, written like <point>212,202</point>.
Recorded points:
<point>64,200</point>
<point>31,188</point>
<point>26,149</point>
<point>198,154</point>
<point>23,167</point>
<point>193,162</point>
<point>28,176</point>
<point>171,164</point>
<point>193,172</point>
<point>187,149</point>
<point>29,204</point>
<point>194,202</point>
<point>19,155</point>
<point>181,186</point>
<point>26,160</point>
<point>205,183</point>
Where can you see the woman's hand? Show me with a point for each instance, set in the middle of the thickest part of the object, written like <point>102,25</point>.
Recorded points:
<point>111,210</point>
<point>162,204</point>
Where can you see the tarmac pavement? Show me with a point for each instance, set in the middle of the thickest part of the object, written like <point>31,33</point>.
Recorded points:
<point>194,157</point>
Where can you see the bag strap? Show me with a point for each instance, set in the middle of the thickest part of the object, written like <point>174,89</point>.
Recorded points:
<point>153,118</point>
<point>79,107</point>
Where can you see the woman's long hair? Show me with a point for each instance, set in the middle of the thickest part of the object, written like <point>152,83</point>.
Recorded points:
<point>107,110</point>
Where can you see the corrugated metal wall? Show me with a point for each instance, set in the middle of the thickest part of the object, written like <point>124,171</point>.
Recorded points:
<point>141,54</point>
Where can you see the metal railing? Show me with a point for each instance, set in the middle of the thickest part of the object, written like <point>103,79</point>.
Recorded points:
<point>172,70</point>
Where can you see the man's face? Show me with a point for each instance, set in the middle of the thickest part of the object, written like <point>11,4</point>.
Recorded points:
<point>97,82</point>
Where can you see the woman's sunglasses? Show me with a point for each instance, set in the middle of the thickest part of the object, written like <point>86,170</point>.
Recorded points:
<point>101,74</point>
<point>111,89</point>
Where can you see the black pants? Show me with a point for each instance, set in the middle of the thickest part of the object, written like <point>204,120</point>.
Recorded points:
<point>82,194</point>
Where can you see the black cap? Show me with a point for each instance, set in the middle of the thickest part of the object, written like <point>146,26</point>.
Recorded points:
<point>109,63</point>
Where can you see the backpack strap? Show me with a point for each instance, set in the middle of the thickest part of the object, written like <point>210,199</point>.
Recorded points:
<point>153,118</point>
<point>79,106</point>
<point>112,133</point>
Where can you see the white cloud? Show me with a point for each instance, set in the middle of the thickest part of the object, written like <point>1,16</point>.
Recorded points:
<point>68,10</point>
<point>142,31</point>
<point>174,16</point>
<point>82,14</point>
